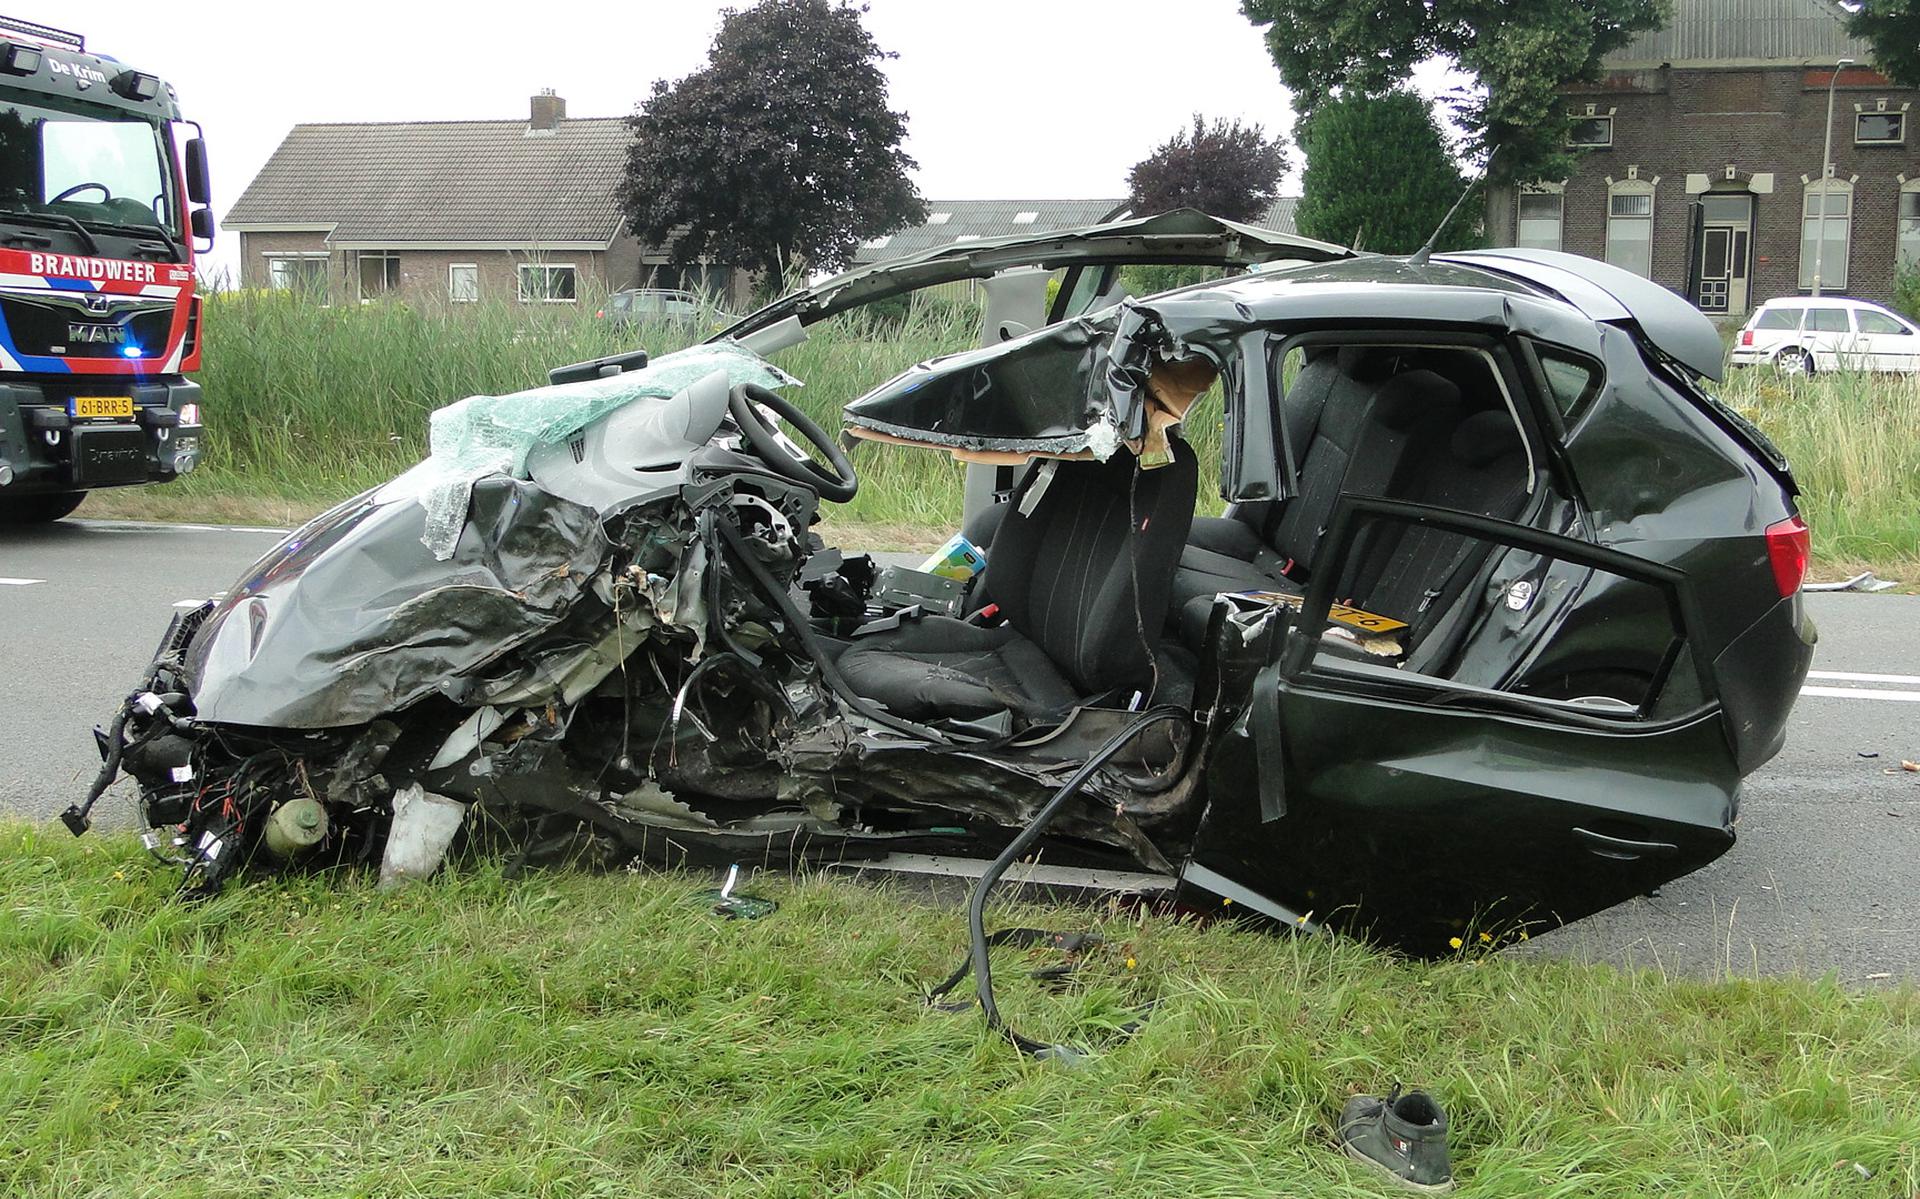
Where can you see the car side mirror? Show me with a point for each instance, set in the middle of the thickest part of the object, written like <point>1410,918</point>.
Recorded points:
<point>201,222</point>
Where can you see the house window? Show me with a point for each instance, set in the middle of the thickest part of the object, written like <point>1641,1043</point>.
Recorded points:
<point>939,218</point>
<point>1906,237</point>
<point>1591,132</point>
<point>463,282</point>
<point>548,283</point>
<point>1630,228</point>
<point>379,274</point>
<point>1826,228</point>
<point>1538,227</point>
<point>305,273</point>
<point>1880,128</point>
<point>1025,218</point>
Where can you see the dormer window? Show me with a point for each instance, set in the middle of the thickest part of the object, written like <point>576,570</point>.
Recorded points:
<point>1879,128</point>
<point>1591,132</point>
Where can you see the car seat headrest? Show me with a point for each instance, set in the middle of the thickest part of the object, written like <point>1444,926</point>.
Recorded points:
<point>1484,437</point>
<point>1366,363</point>
<point>1411,395</point>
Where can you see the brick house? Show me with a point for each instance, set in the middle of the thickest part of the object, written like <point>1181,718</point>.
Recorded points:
<point>451,211</point>
<point>1701,161</point>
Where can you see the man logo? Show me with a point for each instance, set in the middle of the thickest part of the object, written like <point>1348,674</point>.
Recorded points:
<point>97,335</point>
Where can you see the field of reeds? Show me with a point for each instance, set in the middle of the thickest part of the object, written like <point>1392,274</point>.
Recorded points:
<point>308,404</point>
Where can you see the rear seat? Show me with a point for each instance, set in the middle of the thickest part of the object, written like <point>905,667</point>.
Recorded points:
<point>1361,441</point>
<point>1414,573</point>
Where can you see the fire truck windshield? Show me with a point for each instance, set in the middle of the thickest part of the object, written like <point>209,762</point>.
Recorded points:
<point>92,171</point>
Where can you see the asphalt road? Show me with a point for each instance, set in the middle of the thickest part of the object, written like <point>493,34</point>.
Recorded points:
<point>1823,878</point>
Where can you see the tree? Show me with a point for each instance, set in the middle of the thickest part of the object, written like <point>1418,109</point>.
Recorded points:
<point>1893,29</point>
<point>1378,172</point>
<point>1522,52</point>
<point>1225,168</point>
<point>780,153</point>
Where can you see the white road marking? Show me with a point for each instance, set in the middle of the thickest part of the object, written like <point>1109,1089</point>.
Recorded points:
<point>138,526</point>
<point>20,582</point>
<point>1908,697</point>
<point>1850,677</point>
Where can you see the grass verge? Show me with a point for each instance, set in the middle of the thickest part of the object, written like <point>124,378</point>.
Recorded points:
<point>577,1035</point>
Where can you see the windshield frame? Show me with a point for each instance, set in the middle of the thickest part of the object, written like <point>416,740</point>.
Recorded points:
<point>174,226</point>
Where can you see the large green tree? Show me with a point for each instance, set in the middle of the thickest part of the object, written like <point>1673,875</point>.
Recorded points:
<point>1220,167</point>
<point>779,154</point>
<point>1521,53</point>
<point>1893,28</point>
<point>1378,173</point>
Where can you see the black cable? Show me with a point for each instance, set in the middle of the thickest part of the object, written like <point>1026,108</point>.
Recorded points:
<point>75,817</point>
<point>978,941</point>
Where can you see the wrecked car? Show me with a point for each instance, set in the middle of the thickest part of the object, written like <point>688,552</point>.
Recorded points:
<point>1501,608</point>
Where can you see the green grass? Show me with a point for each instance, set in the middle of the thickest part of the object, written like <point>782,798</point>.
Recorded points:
<point>1854,442</point>
<point>307,405</point>
<point>567,1034</point>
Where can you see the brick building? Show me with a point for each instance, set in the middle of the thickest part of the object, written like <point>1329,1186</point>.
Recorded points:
<point>450,211</point>
<point>1701,161</point>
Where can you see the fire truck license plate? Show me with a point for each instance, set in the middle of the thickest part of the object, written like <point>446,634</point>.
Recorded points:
<point>95,407</point>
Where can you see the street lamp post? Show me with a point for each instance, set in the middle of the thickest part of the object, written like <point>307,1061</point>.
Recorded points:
<point>1826,177</point>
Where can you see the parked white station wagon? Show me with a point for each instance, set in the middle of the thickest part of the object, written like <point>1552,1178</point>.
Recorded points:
<point>1796,333</point>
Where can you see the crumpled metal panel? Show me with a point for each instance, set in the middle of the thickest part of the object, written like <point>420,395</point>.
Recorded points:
<point>353,618</point>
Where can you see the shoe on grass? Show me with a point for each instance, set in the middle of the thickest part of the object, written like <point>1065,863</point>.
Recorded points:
<point>1403,1135</point>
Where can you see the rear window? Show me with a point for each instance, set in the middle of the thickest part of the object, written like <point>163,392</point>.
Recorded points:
<point>1827,320</point>
<point>1879,322</point>
<point>1779,318</point>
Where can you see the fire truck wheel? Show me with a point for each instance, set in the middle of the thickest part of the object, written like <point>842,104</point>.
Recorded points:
<point>38,509</point>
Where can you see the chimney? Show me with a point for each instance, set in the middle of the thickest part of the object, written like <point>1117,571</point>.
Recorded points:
<point>548,111</point>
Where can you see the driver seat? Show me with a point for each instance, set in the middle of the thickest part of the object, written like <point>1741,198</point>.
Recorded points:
<point>1082,573</point>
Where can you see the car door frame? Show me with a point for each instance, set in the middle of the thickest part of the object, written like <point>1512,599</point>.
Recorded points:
<point>1275,751</point>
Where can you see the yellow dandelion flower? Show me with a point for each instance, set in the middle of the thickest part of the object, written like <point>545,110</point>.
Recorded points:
<point>1131,963</point>
<point>1486,939</point>
<point>1455,942</point>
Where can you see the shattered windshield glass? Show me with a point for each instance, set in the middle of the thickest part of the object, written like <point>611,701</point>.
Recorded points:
<point>487,435</point>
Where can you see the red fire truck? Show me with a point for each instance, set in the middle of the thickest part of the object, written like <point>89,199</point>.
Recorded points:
<point>103,202</point>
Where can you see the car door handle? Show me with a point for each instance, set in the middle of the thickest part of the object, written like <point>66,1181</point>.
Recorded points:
<point>1622,849</point>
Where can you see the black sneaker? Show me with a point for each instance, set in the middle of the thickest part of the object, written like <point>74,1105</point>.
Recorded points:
<point>1404,1135</point>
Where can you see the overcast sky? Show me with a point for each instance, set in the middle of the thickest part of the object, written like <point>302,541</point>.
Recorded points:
<point>1005,99</point>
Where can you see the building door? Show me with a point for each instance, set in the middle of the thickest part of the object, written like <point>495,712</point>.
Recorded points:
<point>1725,249</point>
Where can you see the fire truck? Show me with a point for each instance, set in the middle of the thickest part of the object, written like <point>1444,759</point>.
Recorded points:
<point>103,203</point>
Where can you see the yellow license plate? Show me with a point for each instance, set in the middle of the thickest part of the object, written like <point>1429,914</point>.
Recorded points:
<point>1357,618</point>
<point>100,407</point>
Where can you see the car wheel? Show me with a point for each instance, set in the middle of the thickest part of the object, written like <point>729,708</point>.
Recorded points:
<point>38,509</point>
<point>1794,362</point>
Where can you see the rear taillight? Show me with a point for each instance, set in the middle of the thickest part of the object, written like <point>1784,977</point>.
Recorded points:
<point>1746,337</point>
<point>1789,545</point>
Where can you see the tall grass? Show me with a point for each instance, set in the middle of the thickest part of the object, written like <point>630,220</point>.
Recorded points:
<point>1854,442</point>
<point>309,404</point>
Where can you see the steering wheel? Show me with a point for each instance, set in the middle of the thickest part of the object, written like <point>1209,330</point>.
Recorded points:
<point>835,481</point>
<point>105,194</point>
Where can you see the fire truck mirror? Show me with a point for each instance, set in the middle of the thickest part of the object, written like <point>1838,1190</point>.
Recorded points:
<point>199,187</point>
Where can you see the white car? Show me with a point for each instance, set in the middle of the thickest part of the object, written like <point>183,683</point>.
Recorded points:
<point>1800,334</point>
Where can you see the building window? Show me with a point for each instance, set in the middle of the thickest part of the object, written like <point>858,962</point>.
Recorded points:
<point>1826,228</point>
<point>1630,228</point>
<point>1025,218</point>
<point>1906,237</point>
<point>1880,128</point>
<point>305,273</point>
<point>548,283</point>
<point>1591,132</point>
<point>463,282</point>
<point>379,274</point>
<point>939,218</point>
<point>1538,226</point>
